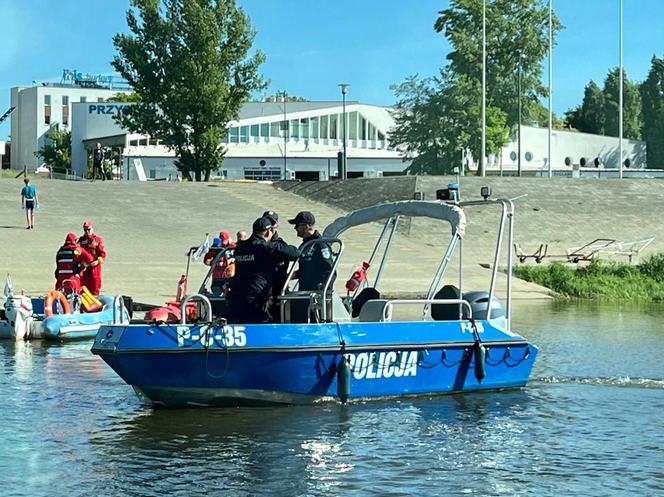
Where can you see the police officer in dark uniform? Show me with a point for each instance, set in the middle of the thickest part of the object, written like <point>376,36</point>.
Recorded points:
<point>316,261</point>
<point>255,262</point>
<point>280,271</point>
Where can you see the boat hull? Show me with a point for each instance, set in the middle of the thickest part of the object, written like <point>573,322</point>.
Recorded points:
<point>175,366</point>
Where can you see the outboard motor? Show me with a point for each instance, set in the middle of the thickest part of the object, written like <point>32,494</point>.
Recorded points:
<point>479,303</point>
<point>18,313</point>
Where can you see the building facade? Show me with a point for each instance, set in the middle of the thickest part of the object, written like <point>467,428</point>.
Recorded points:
<point>268,141</point>
<point>39,109</point>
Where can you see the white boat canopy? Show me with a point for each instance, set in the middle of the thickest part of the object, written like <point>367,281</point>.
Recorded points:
<point>414,208</point>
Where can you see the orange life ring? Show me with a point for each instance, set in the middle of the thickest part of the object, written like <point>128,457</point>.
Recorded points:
<point>51,297</point>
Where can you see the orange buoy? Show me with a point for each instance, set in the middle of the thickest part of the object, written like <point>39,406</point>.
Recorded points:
<point>51,297</point>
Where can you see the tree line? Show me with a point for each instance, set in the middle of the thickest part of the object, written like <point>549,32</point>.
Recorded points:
<point>438,119</point>
<point>643,110</point>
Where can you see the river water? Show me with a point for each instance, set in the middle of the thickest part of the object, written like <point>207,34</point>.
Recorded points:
<point>591,422</point>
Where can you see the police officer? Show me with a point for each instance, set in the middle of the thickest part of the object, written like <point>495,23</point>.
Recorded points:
<point>255,262</point>
<point>280,271</point>
<point>315,263</point>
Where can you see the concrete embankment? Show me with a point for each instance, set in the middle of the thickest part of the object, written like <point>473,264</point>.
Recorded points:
<point>148,227</point>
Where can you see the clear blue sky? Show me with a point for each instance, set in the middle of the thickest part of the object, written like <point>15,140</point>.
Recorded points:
<point>312,45</point>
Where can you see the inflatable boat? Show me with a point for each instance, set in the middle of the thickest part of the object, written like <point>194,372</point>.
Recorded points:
<point>24,318</point>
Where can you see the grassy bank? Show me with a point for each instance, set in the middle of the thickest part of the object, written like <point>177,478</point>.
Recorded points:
<point>601,280</point>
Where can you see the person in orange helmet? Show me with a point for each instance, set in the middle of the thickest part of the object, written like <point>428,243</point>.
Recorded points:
<point>93,246</point>
<point>68,264</point>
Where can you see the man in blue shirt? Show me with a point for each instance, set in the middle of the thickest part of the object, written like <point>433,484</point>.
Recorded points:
<point>29,201</point>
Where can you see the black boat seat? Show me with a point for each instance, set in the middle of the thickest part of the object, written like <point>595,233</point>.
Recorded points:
<point>373,311</point>
<point>447,312</point>
<point>361,298</point>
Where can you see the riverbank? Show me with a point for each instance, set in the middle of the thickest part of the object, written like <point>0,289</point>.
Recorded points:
<point>148,227</point>
<point>609,281</point>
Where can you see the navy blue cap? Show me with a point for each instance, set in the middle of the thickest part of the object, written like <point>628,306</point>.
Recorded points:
<point>304,217</point>
<point>272,216</point>
<point>261,224</point>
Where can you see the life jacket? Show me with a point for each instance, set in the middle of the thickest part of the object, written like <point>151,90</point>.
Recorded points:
<point>66,261</point>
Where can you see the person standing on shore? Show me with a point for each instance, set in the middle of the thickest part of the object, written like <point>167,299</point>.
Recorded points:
<point>94,246</point>
<point>29,202</point>
<point>98,163</point>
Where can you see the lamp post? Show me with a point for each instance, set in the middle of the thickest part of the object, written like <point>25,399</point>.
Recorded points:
<point>483,158</point>
<point>284,95</point>
<point>344,89</point>
<point>518,161</point>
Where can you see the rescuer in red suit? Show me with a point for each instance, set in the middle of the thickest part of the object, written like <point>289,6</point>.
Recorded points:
<point>93,246</point>
<point>68,264</point>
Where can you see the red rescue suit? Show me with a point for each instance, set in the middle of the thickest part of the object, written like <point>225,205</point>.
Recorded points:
<point>92,247</point>
<point>68,264</point>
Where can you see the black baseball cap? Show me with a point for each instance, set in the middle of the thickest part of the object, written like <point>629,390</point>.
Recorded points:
<point>303,217</point>
<point>272,216</point>
<point>261,224</point>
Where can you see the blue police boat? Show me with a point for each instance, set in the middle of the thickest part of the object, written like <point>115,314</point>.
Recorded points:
<point>359,346</point>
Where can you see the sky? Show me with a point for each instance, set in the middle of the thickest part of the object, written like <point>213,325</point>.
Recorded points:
<point>313,45</point>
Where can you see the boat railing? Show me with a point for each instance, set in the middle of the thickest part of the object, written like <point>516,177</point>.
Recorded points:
<point>318,299</point>
<point>387,309</point>
<point>189,298</point>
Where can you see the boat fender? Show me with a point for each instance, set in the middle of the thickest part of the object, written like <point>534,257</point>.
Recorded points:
<point>479,352</point>
<point>51,297</point>
<point>343,380</point>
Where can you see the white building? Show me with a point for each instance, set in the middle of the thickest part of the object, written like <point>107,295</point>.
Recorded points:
<point>568,149</point>
<point>260,145</point>
<point>38,109</point>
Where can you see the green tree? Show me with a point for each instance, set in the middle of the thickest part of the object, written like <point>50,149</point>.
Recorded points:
<point>279,97</point>
<point>631,106</point>
<point>452,101</point>
<point>124,98</point>
<point>188,63</point>
<point>652,100</point>
<point>589,116</point>
<point>56,151</point>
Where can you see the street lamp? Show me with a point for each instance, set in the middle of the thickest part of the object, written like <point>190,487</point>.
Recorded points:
<point>344,89</point>
<point>284,95</point>
<point>518,167</point>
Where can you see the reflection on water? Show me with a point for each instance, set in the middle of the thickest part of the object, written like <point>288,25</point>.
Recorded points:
<point>589,424</point>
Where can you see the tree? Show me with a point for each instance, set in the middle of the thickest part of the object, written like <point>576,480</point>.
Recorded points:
<point>279,97</point>
<point>56,151</point>
<point>589,116</point>
<point>188,64</point>
<point>652,100</point>
<point>452,101</point>
<point>631,106</point>
<point>432,117</point>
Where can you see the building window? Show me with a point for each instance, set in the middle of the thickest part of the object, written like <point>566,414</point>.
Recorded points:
<point>65,100</point>
<point>47,118</point>
<point>334,118</point>
<point>153,142</point>
<point>324,127</point>
<point>265,130</point>
<point>255,129</point>
<point>235,133</point>
<point>65,119</point>
<point>304,128</point>
<point>244,134</point>
<point>84,99</point>
<point>314,127</point>
<point>47,99</point>
<point>133,143</point>
<point>363,128</point>
<point>275,129</point>
<point>294,128</point>
<point>352,125</point>
<point>100,99</point>
<point>143,142</point>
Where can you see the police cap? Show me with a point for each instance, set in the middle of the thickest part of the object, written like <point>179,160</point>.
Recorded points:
<point>261,224</point>
<point>303,217</point>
